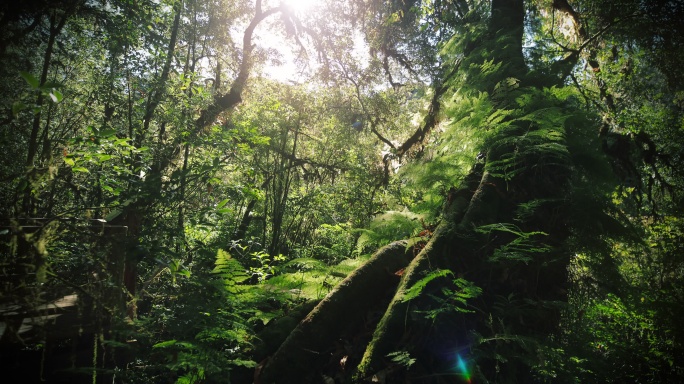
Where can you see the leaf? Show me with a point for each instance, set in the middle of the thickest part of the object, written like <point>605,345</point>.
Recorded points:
<point>30,79</point>
<point>305,263</point>
<point>170,343</point>
<point>164,344</point>
<point>222,204</point>
<point>69,161</point>
<point>80,169</point>
<point>243,363</point>
<point>50,85</point>
<point>184,272</point>
<point>56,96</point>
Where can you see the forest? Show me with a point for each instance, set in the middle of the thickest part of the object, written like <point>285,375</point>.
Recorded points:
<point>342,191</point>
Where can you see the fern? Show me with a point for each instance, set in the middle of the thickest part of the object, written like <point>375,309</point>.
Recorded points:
<point>417,288</point>
<point>526,211</point>
<point>522,248</point>
<point>504,91</point>
<point>464,291</point>
<point>387,227</point>
<point>402,358</point>
<point>451,298</point>
<point>229,270</point>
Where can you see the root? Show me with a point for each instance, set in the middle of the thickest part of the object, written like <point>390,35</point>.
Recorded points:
<point>310,343</point>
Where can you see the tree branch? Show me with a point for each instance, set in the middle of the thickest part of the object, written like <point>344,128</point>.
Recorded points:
<point>430,120</point>
<point>234,96</point>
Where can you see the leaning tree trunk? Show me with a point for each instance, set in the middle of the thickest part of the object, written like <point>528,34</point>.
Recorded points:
<point>344,308</point>
<point>502,231</point>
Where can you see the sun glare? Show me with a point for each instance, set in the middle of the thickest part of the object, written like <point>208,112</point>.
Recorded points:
<point>302,6</point>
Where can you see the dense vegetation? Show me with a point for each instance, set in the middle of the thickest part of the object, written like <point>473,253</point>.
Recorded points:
<point>419,191</point>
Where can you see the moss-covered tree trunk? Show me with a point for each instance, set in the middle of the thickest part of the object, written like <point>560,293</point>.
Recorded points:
<point>503,231</point>
<point>309,345</point>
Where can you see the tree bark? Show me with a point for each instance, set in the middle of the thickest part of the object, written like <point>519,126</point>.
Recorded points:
<point>343,309</point>
<point>56,27</point>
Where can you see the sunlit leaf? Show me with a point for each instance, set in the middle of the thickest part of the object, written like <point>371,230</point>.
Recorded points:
<point>56,96</point>
<point>244,363</point>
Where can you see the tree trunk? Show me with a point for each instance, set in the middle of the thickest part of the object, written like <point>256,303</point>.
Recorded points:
<point>477,240</point>
<point>56,27</point>
<point>341,311</point>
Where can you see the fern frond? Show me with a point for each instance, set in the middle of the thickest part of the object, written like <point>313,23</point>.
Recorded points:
<point>416,289</point>
<point>229,270</point>
<point>523,248</point>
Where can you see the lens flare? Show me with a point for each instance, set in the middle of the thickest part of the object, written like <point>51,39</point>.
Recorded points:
<point>463,368</point>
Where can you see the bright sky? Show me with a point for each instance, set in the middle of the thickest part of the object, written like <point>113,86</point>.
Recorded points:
<point>275,41</point>
<point>282,51</point>
<point>287,70</point>
<point>301,5</point>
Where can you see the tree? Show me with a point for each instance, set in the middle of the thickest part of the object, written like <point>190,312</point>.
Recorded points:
<point>490,283</point>
<point>523,154</point>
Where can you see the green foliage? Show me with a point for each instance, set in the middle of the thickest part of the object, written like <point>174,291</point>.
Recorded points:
<point>402,358</point>
<point>463,291</point>
<point>624,325</point>
<point>265,265</point>
<point>201,332</point>
<point>329,243</point>
<point>524,246</point>
<point>453,299</point>
<point>102,101</point>
<point>310,279</point>
<point>416,289</point>
<point>229,270</point>
<point>387,227</point>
